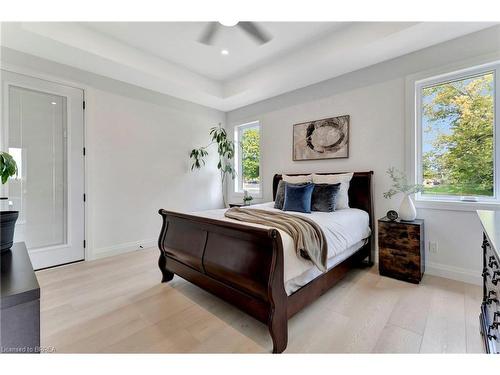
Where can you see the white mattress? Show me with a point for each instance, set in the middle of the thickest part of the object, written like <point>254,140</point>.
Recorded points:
<point>345,231</point>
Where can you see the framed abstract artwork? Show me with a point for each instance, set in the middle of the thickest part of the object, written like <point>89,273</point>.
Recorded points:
<point>321,139</point>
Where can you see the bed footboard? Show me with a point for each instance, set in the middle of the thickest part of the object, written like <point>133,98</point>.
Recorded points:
<point>240,264</point>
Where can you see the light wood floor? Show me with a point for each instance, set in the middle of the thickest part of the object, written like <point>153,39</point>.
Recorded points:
<point>119,305</point>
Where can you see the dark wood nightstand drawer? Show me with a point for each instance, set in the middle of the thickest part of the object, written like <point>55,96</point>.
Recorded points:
<point>399,235</point>
<point>400,264</point>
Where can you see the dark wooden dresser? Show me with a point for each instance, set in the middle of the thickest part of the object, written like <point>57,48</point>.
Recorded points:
<point>490,307</point>
<point>401,249</point>
<point>19,302</point>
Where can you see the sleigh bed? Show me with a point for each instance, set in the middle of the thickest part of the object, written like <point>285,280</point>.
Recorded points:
<point>244,264</point>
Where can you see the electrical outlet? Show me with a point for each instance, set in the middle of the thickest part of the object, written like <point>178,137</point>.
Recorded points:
<point>433,247</point>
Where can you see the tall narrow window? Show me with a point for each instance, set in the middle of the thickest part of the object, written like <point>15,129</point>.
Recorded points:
<point>247,158</point>
<point>456,125</point>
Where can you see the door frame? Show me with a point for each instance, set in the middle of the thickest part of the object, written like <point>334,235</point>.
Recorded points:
<point>30,73</point>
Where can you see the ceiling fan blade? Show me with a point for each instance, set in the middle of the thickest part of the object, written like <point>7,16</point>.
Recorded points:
<point>255,32</point>
<point>208,34</point>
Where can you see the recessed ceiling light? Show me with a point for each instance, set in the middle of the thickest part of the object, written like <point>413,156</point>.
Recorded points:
<point>229,23</point>
<point>224,52</point>
<point>53,103</point>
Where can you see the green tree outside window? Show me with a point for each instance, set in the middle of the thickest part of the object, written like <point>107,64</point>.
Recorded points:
<point>250,157</point>
<point>457,120</point>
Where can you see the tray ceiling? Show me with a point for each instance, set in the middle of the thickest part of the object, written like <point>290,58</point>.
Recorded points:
<point>167,57</point>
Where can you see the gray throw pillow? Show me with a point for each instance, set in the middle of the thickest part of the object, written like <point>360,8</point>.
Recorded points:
<point>324,197</point>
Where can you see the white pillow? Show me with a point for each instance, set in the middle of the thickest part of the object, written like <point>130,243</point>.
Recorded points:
<point>297,179</point>
<point>343,179</point>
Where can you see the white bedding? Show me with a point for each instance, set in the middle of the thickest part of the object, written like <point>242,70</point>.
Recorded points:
<point>345,230</point>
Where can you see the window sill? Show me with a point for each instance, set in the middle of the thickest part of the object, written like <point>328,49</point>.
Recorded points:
<point>429,204</point>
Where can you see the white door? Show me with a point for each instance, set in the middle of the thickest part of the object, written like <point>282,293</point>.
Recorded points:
<point>42,128</point>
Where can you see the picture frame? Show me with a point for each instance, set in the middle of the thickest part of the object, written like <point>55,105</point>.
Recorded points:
<point>326,138</point>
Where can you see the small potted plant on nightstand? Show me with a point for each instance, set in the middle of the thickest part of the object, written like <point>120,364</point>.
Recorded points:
<point>247,198</point>
<point>407,211</point>
<point>8,168</point>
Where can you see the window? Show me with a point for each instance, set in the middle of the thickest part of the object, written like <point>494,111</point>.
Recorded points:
<point>457,146</point>
<point>247,158</point>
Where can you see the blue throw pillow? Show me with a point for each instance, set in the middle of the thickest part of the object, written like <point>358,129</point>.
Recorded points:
<point>298,198</point>
<point>279,201</point>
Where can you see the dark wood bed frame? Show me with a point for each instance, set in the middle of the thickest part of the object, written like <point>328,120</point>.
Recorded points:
<point>244,265</point>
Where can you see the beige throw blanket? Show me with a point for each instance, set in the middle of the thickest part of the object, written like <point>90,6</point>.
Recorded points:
<point>308,237</point>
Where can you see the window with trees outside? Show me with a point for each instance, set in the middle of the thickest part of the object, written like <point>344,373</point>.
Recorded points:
<point>247,158</point>
<point>457,147</point>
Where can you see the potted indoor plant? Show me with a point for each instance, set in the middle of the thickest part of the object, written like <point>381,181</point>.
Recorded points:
<point>8,168</point>
<point>407,211</point>
<point>225,152</point>
<point>247,198</point>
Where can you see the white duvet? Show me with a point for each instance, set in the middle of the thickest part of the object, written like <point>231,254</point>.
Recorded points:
<point>345,231</point>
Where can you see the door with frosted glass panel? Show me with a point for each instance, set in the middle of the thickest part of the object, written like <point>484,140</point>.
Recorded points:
<point>42,128</point>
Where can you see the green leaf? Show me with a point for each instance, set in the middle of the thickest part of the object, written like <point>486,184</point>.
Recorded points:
<point>8,166</point>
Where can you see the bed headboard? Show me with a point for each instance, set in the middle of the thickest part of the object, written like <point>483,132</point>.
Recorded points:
<point>360,190</point>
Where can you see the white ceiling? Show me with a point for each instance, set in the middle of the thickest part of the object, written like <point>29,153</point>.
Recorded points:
<point>178,42</point>
<point>166,56</point>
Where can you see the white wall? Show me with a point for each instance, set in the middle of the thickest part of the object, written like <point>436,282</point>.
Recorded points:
<point>375,99</point>
<point>138,145</point>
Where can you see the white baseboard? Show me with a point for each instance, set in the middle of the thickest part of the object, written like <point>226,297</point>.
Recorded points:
<point>123,248</point>
<point>454,273</point>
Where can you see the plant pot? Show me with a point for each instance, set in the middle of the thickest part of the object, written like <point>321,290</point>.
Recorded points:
<point>407,210</point>
<point>7,225</point>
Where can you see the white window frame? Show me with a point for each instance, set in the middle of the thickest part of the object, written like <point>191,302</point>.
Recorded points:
<point>238,181</point>
<point>415,135</point>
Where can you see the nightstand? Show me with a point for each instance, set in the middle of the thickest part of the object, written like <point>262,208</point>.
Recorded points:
<point>401,249</point>
<point>239,205</point>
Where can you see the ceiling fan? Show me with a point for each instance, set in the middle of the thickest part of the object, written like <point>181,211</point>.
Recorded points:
<point>250,28</point>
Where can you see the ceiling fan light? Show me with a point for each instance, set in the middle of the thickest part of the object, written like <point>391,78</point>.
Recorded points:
<point>229,22</point>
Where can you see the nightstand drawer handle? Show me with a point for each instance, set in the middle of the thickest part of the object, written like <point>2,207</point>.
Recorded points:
<point>496,277</point>
<point>489,301</point>
<point>495,316</point>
